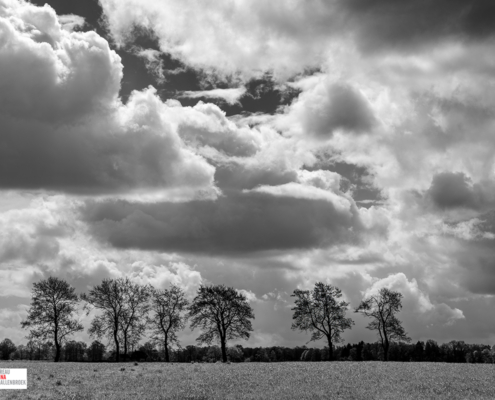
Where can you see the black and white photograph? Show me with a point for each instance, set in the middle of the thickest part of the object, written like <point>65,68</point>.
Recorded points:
<point>247,199</point>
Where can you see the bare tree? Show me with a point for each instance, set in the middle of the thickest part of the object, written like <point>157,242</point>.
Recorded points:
<point>109,300</point>
<point>135,312</point>
<point>221,313</point>
<point>320,312</point>
<point>168,307</point>
<point>51,315</point>
<point>124,306</point>
<point>382,308</point>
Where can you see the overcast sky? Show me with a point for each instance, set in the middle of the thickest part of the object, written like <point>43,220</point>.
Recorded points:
<point>265,145</point>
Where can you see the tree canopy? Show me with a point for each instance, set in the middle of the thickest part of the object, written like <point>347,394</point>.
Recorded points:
<point>222,314</point>
<point>168,308</point>
<point>320,312</point>
<point>51,314</point>
<point>123,306</point>
<point>382,308</point>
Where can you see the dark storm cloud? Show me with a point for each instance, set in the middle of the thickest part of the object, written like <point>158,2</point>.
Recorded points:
<point>231,224</point>
<point>391,23</point>
<point>477,261</point>
<point>451,190</point>
<point>455,190</point>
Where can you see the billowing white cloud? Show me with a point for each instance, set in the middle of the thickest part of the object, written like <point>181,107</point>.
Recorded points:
<point>417,304</point>
<point>63,126</point>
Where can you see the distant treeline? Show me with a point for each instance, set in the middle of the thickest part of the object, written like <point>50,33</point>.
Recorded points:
<point>429,351</point>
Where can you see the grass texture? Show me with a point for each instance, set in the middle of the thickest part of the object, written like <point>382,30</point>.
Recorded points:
<point>338,380</point>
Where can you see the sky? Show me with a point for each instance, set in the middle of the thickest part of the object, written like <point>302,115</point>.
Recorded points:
<point>261,145</point>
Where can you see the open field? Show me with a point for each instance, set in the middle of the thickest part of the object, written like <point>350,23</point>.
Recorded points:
<point>339,380</point>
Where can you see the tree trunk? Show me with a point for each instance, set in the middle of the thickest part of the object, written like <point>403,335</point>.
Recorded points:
<point>57,344</point>
<point>125,347</point>
<point>117,347</point>
<point>386,346</point>
<point>57,351</point>
<point>330,349</point>
<point>224,349</point>
<point>167,357</point>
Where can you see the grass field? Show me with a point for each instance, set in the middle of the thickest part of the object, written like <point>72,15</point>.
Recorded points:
<point>341,380</point>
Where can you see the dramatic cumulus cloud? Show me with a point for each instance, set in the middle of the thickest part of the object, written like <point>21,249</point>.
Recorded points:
<point>288,36</point>
<point>63,125</point>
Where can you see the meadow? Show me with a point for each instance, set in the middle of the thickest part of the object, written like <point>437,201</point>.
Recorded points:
<point>337,380</point>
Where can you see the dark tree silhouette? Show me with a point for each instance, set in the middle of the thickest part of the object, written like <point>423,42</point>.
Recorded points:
<point>107,298</point>
<point>123,307</point>
<point>168,307</point>
<point>96,351</point>
<point>221,313</point>
<point>320,312</point>
<point>382,308</point>
<point>51,315</point>
<point>7,347</point>
<point>133,321</point>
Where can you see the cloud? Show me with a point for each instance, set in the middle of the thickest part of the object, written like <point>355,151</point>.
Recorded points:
<point>449,190</point>
<point>330,106</point>
<point>236,222</point>
<point>161,276</point>
<point>154,64</point>
<point>255,36</point>
<point>71,22</point>
<point>416,304</point>
<point>231,95</point>
<point>248,35</point>
<point>63,126</point>
<point>389,24</point>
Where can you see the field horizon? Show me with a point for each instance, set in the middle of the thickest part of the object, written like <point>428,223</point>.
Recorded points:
<point>288,380</point>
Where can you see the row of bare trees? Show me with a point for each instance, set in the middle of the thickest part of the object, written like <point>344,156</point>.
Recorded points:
<point>125,311</point>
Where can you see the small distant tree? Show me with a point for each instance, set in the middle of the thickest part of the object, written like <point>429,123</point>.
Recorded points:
<point>168,316</point>
<point>75,351</point>
<point>222,314</point>
<point>382,308</point>
<point>96,351</point>
<point>320,312</point>
<point>52,312</point>
<point>7,347</point>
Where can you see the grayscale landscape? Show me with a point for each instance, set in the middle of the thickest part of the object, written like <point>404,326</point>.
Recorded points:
<point>247,199</point>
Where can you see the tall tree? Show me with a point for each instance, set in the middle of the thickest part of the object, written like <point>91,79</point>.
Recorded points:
<point>168,308</point>
<point>109,300</point>
<point>381,308</point>
<point>135,312</point>
<point>320,312</point>
<point>123,306</point>
<point>222,314</point>
<point>52,312</point>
